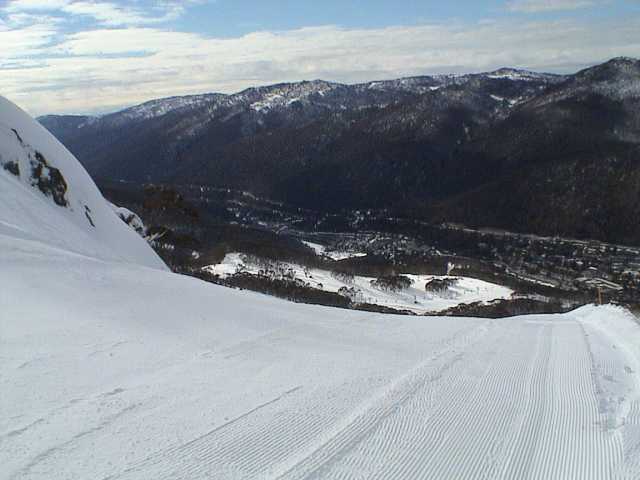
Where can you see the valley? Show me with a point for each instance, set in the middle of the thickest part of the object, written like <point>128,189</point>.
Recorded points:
<point>521,179</point>
<point>543,273</point>
<point>552,155</point>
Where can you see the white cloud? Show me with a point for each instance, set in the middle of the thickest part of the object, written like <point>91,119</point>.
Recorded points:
<point>34,5</point>
<point>111,14</point>
<point>105,12</point>
<point>108,68</point>
<point>20,43</point>
<point>537,6</point>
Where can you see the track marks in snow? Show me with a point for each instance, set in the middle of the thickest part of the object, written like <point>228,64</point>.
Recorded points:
<point>498,400</point>
<point>452,428</point>
<point>20,431</point>
<point>303,426</point>
<point>383,429</point>
<point>520,404</point>
<point>198,457</point>
<point>527,398</point>
<point>615,385</point>
<point>563,435</point>
<point>529,422</point>
<point>60,449</point>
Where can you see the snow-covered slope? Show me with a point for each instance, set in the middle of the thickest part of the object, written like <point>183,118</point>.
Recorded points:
<point>47,196</point>
<point>110,370</point>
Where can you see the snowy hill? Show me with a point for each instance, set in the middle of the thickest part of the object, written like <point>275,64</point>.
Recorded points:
<point>48,197</point>
<point>113,370</point>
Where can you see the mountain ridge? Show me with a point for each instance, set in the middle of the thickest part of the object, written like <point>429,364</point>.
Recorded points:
<point>498,73</point>
<point>414,145</point>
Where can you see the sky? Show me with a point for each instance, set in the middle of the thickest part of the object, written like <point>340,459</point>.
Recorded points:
<point>97,56</point>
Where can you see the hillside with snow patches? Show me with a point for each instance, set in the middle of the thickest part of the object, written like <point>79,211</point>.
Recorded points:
<point>110,369</point>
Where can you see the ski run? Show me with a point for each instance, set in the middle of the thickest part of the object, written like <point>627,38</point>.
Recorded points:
<point>114,371</point>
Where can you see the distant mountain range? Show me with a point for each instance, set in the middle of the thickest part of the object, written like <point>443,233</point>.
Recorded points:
<point>549,154</point>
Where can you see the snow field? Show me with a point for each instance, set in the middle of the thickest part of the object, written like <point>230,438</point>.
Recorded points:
<point>123,372</point>
<point>321,250</point>
<point>415,298</point>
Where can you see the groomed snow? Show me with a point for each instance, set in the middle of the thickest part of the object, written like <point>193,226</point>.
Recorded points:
<point>116,371</point>
<point>415,299</point>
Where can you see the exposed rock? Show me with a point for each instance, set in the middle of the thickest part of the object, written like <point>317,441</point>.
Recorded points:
<point>87,212</point>
<point>48,179</point>
<point>131,219</point>
<point>13,168</point>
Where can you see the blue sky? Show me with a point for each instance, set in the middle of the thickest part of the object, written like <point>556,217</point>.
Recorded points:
<point>229,18</point>
<point>238,17</point>
<point>77,56</point>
